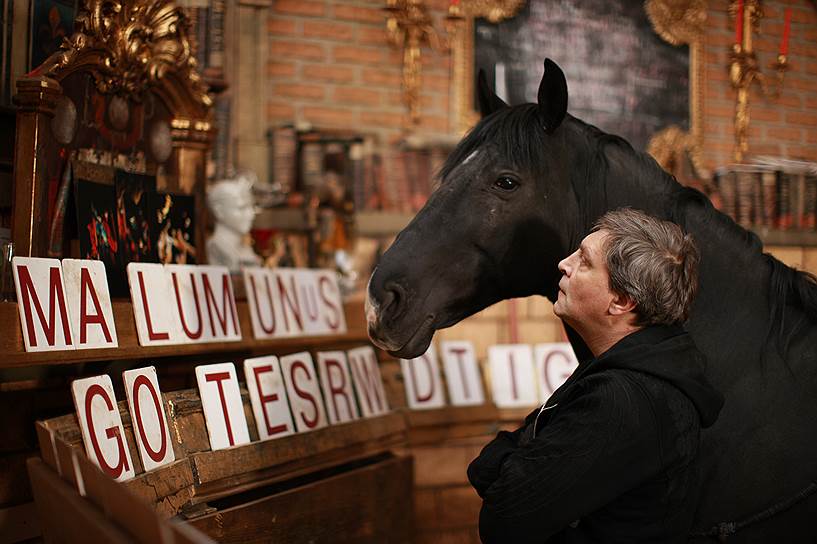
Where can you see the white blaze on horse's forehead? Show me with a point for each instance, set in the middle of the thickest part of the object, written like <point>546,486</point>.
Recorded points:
<point>471,156</point>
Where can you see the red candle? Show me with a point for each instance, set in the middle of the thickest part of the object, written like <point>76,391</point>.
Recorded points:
<point>739,23</point>
<point>455,2</point>
<point>784,44</point>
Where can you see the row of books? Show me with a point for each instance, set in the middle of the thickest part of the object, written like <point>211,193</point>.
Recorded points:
<point>396,179</point>
<point>762,196</point>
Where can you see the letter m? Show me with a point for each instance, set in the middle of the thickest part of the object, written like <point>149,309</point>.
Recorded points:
<point>56,296</point>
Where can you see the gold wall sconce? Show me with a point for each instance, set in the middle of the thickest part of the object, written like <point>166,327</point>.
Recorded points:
<point>410,27</point>
<point>744,68</point>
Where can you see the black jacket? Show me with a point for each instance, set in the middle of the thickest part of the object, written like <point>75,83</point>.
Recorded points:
<point>612,455</point>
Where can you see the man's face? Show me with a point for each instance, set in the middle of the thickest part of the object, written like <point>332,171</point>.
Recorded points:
<point>584,290</point>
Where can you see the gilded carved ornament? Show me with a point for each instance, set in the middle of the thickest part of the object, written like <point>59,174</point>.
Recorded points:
<point>129,46</point>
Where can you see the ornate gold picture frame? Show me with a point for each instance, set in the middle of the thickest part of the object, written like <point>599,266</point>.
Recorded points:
<point>675,21</point>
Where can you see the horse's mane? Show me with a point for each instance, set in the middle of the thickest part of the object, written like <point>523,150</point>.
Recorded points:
<point>517,134</point>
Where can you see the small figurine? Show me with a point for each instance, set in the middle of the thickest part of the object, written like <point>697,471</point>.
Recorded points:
<point>233,207</point>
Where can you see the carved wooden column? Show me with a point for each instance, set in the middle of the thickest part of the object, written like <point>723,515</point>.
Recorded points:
<point>36,99</point>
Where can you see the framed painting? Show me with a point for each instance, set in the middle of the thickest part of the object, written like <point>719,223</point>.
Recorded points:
<point>624,61</point>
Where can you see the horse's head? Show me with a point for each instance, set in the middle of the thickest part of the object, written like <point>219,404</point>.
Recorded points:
<point>494,229</point>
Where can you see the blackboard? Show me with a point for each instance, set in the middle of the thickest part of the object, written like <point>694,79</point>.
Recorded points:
<point>622,77</point>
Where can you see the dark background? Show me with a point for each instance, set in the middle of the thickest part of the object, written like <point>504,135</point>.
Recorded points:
<point>621,76</point>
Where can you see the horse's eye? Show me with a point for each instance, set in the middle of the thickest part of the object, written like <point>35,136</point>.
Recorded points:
<point>506,183</point>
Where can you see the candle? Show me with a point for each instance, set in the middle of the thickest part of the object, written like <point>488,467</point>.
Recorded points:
<point>455,3</point>
<point>739,23</point>
<point>784,44</point>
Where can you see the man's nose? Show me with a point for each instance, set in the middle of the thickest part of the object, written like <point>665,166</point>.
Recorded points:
<point>564,265</point>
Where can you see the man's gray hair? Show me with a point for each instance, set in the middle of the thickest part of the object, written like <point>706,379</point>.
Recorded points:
<point>653,262</point>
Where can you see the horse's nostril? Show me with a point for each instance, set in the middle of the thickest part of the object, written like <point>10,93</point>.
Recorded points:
<point>394,300</point>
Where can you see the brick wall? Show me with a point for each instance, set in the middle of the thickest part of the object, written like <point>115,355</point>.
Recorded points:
<point>330,65</point>
<point>785,126</point>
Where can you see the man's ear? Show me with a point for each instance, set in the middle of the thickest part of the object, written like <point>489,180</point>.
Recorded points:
<point>621,304</point>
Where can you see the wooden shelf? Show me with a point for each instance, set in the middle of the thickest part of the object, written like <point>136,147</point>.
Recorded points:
<point>381,223</point>
<point>13,354</point>
<point>774,237</point>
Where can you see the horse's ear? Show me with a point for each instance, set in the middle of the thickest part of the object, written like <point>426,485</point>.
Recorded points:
<point>552,96</point>
<point>489,102</point>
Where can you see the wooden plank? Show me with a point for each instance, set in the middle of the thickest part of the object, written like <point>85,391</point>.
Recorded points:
<point>370,504</point>
<point>120,505</point>
<point>234,470</point>
<point>11,342</point>
<point>167,488</point>
<point>214,465</point>
<point>20,522</point>
<point>65,516</point>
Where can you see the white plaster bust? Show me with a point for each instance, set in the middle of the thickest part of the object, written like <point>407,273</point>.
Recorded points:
<point>233,207</point>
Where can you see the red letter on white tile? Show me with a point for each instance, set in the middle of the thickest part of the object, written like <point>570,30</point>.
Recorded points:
<point>462,373</point>
<point>268,397</point>
<point>368,383</point>
<point>512,375</point>
<point>424,389</point>
<point>97,413</point>
<point>337,387</point>
<point>89,303</point>
<point>221,403</point>
<point>39,284</point>
<point>148,416</point>
<point>555,362</point>
<point>304,391</point>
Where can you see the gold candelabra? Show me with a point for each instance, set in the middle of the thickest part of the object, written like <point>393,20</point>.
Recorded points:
<point>744,67</point>
<point>410,27</point>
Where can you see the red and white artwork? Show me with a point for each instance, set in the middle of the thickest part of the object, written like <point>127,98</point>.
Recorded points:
<point>89,304</point>
<point>555,362</point>
<point>156,318</point>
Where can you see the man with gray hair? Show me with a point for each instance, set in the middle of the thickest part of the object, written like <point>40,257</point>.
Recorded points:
<point>611,456</point>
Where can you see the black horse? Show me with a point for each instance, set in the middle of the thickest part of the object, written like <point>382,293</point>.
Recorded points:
<point>520,192</point>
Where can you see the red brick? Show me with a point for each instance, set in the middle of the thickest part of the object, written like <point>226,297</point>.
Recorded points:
<point>300,91</point>
<point>382,119</point>
<point>358,55</point>
<point>325,116</point>
<point>355,95</point>
<point>375,35</point>
<point>811,136</point>
<point>789,98</point>
<point>328,72</point>
<point>806,152</point>
<point>277,111</point>
<point>281,69</point>
<point>286,27</point>
<point>787,134</point>
<point>300,7</point>
<point>433,82</point>
<point>801,83</point>
<point>357,13</point>
<point>298,50</point>
<point>766,114</point>
<point>330,31</point>
<point>803,119</point>
<point>382,78</point>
